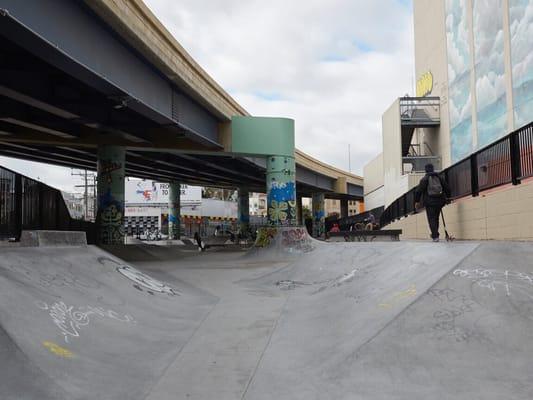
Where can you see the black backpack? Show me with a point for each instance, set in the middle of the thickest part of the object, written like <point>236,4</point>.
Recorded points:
<point>435,186</point>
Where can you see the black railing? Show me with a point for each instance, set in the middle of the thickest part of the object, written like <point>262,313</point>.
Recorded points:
<point>346,222</point>
<point>27,204</point>
<point>508,160</point>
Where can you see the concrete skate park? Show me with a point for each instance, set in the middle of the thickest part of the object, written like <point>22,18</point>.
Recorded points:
<point>291,318</point>
<point>288,310</point>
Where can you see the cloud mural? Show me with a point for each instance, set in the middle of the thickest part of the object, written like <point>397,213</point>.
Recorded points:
<point>460,99</point>
<point>521,32</point>
<point>490,71</point>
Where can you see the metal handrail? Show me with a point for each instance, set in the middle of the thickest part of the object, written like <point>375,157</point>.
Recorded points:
<point>507,160</point>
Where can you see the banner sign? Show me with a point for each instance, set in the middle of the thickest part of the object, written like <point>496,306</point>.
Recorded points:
<point>150,192</point>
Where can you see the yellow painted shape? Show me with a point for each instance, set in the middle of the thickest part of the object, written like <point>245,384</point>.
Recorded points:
<point>58,350</point>
<point>410,292</point>
<point>424,85</point>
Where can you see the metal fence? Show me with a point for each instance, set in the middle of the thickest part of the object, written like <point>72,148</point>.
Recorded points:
<point>508,160</point>
<point>27,204</point>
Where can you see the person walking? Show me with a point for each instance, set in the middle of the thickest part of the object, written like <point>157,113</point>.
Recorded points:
<point>433,193</point>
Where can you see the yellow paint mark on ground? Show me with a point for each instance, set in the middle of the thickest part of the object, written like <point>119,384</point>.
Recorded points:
<point>397,297</point>
<point>58,350</point>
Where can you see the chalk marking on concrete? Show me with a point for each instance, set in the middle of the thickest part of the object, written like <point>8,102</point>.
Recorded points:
<point>58,350</point>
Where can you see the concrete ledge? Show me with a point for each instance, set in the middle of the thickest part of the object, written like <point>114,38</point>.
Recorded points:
<point>52,238</point>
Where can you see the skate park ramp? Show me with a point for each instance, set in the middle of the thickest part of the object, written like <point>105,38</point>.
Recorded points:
<point>389,320</point>
<point>402,321</point>
<point>282,243</point>
<point>78,323</point>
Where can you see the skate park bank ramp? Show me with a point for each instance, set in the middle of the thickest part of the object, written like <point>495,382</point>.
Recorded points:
<point>397,320</point>
<point>275,243</point>
<point>408,320</point>
<point>79,323</point>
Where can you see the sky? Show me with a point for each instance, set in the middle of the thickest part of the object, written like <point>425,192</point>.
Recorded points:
<point>333,65</point>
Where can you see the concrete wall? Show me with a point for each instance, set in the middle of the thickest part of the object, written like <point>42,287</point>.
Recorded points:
<point>431,56</point>
<point>502,214</point>
<point>375,199</point>
<point>373,173</point>
<point>392,154</point>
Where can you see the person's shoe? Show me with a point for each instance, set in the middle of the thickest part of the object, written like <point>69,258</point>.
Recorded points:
<point>436,240</point>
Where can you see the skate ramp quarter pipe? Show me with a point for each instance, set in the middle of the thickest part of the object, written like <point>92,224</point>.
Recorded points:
<point>402,321</point>
<point>78,323</point>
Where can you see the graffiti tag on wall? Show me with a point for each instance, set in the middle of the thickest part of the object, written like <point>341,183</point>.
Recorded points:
<point>297,239</point>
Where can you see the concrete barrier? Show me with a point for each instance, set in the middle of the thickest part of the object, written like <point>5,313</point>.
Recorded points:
<point>52,238</point>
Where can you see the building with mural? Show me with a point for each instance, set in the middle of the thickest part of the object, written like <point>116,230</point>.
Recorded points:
<point>474,64</point>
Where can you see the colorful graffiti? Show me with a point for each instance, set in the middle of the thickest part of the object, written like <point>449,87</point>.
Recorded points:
<point>110,216</point>
<point>296,239</point>
<point>265,236</point>
<point>174,225</point>
<point>281,191</point>
<point>319,215</point>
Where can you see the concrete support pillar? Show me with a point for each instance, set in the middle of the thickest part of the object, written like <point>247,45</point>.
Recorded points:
<point>244,210</point>
<point>174,210</point>
<point>344,208</point>
<point>319,215</point>
<point>281,190</point>
<point>299,210</point>
<point>110,193</point>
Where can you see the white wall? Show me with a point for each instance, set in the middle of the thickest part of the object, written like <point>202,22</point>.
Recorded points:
<point>392,152</point>
<point>431,56</point>
<point>373,173</point>
<point>375,199</point>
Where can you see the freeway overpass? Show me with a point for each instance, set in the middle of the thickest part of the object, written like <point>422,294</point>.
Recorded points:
<point>78,76</point>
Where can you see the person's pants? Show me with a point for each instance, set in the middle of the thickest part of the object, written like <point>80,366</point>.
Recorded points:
<point>433,214</point>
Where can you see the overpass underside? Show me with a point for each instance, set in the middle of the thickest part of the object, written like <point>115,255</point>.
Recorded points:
<point>48,115</point>
<point>55,110</point>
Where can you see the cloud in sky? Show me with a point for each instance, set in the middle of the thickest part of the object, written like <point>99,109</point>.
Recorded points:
<point>333,65</point>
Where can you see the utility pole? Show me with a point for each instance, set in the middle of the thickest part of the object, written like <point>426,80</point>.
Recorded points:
<point>85,176</point>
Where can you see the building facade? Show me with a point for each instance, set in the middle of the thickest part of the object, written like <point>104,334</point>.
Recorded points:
<point>474,68</point>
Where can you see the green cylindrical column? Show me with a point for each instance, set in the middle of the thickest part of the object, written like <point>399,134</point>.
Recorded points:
<point>319,215</point>
<point>281,190</point>
<point>174,210</point>
<point>110,193</point>
<point>244,210</point>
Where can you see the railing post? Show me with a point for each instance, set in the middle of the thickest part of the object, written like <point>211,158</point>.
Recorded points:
<point>514,147</point>
<point>41,211</point>
<point>473,175</point>
<point>18,206</point>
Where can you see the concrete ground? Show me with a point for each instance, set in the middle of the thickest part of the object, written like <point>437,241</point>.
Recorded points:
<point>399,320</point>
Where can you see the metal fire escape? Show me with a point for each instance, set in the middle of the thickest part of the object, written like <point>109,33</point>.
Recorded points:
<point>418,112</point>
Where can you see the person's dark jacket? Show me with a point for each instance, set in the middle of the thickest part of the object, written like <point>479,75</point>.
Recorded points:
<point>421,192</point>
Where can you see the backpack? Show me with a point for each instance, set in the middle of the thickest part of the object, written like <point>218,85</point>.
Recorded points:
<point>434,186</point>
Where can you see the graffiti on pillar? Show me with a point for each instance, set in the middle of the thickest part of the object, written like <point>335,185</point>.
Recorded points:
<point>281,191</point>
<point>319,216</point>
<point>110,216</point>
<point>265,236</point>
<point>282,203</point>
<point>107,168</point>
